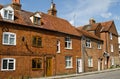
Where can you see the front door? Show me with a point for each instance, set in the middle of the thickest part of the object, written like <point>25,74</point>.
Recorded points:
<point>79,65</point>
<point>49,66</point>
<point>99,64</point>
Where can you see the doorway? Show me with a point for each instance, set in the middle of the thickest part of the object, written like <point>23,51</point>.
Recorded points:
<point>79,65</point>
<point>49,66</point>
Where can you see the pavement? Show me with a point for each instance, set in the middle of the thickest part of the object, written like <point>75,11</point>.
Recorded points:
<point>80,74</point>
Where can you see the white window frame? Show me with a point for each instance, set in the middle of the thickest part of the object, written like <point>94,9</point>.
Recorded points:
<point>8,62</point>
<point>112,48</point>
<point>111,37</point>
<point>90,62</point>
<point>8,14</point>
<point>68,62</point>
<point>68,41</point>
<point>99,45</point>
<point>58,46</point>
<point>88,43</point>
<point>9,38</point>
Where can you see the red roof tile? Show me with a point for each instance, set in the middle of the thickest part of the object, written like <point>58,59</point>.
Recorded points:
<point>106,25</point>
<point>88,34</point>
<point>49,22</point>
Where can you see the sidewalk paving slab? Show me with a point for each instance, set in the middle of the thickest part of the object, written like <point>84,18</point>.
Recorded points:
<point>80,74</point>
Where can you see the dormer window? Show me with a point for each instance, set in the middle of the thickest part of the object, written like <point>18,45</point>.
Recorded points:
<point>8,14</point>
<point>37,20</point>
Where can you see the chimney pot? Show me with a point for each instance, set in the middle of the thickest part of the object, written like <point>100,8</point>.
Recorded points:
<point>92,21</point>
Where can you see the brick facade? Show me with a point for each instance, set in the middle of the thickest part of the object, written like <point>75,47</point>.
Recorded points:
<point>24,52</point>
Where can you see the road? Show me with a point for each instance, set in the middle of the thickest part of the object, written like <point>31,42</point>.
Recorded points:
<point>106,75</point>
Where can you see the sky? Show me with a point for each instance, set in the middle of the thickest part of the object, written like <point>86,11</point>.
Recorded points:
<point>77,12</point>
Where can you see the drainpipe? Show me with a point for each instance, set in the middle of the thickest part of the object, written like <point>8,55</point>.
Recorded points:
<point>83,53</point>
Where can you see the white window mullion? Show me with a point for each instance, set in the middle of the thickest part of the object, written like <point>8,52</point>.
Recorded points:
<point>9,38</point>
<point>10,62</point>
<point>58,46</point>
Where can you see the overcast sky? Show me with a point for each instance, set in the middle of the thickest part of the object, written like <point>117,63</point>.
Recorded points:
<point>77,12</point>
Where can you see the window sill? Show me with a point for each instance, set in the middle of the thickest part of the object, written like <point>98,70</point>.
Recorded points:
<point>58,52</point>
<point>90,67</point>
<point>38,46</point>
<point>9,44</point>
<point>68,48</point>
<point>99,48</point>
<point>89,47</point>
<point>69,67</point>
<point>6,70</point>
<point>36,69</point>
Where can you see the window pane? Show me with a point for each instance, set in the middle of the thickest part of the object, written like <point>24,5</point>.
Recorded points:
<point>39,63</point>
<point>11,65</point>
<point>6,38</point>
<point>68,61</point>
<point>38,21</point>
<point>34,41</point>
<point>69,45</point>
<point>12,41</point>
<point>33,64</point>
<point>39,42</point>
<point>10,16</point>
<point>5,13</point>
<point>66,44</point>
<point>5,64</point>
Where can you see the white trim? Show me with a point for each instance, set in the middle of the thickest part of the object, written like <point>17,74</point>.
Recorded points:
<point>111,37</point>
<point>99,45</point>
<point>71,64</point>
<point>9,37</point>
<point>68,41</point>
<point>112,48</point>
<point>90,62</point>
<point>8,61</point>
<point>58,46</point>
<point>88,43</point>
<point>10,12</point>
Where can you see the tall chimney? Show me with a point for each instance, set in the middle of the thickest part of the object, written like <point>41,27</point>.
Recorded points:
<point>52,10</point>
<point>16,4</point>
<point>92,21</point>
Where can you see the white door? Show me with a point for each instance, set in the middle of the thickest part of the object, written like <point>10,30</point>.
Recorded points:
<point>79,65</point>
<point>98,65</point>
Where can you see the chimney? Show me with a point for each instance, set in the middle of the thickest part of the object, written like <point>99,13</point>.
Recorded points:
<point>92,21</point>
<point>16,4</point>
<point>52,10</point>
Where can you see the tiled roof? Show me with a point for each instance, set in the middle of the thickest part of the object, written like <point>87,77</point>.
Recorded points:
<point>106,25</point>
<point>88,34</point>
<point>58,24</point>
<point>49,22</point>
<point>89,27</point>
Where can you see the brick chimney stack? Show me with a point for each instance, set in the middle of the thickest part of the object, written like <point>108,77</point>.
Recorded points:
<point>16,4</point>
<point>52,10</point>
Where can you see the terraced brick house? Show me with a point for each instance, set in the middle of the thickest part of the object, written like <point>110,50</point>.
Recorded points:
<point>92,47</point>
<point>36,44</point>
<point>107,32</point>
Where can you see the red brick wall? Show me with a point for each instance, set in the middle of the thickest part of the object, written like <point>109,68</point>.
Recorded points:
<point>24,54</point>
<point>95,53</point>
